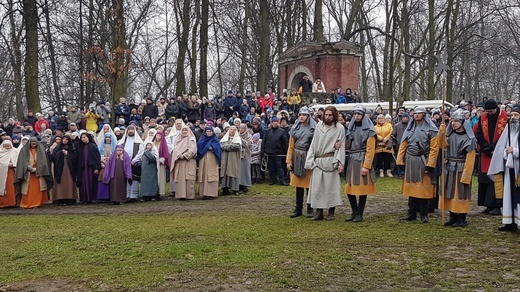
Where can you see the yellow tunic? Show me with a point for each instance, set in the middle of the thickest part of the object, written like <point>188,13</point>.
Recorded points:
<point>370,187</point>
<point>296,181</point>
<point>424,189</point>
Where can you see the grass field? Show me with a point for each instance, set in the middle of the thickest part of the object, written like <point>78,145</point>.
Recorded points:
<point>249,243</point>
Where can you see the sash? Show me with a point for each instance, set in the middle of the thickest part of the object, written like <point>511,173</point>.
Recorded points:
<point>501,124</point>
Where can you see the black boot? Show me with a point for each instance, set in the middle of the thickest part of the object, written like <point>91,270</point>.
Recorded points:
<point>299,203</point>
<point>461,221</point>
<point>423,210</point>
<point>318,216</point>
<point>453,218</point>
<point>330,214</point>
<point>310,212</point>
<point>361,209</point>
<point>509,227</point>
<point>354,206</point>
<point>412,210</point>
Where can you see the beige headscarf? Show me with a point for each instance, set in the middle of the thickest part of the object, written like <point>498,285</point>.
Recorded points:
<point>185,146</point>
<point>6,156</point>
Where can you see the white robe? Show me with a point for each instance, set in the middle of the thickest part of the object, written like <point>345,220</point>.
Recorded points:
<point>325,187</point>
<point>502,162</point>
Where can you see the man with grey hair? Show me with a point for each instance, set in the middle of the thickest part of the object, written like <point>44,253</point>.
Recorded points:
<point>418,155</point>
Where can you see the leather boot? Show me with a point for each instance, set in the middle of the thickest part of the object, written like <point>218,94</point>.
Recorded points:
<point>310,212</point>
<point>318,216</point>
<point>509,227</point>
<point>352,216</point>
<point>453,219</point>
<point>354,206</point>
<point>361,209</point>
<point>330,214</point>
<point>412,210</point>
<point>423,210</point>
<point>299,203</point>
<point>461,221</point>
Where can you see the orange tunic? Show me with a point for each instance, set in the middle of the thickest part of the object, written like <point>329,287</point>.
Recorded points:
<point>34,197</point>
<point>9,198</point>
<point>296,181</point>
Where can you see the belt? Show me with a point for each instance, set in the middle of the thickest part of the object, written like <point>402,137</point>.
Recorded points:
<point>330,154</point>
<point>454,159</point>
<point>301,148</point>
<point>357,151</point>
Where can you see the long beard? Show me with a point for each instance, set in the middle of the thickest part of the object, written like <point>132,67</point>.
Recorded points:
<point>515,125</point>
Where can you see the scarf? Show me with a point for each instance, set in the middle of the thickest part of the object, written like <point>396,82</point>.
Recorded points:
<point>206,142</point>
<point>110,168</point>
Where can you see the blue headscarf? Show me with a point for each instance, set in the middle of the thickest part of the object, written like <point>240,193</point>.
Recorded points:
<point>113,143</point>
<point>206,142</point>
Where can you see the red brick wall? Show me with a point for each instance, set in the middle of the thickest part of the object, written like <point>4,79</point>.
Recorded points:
<point>335,71</point>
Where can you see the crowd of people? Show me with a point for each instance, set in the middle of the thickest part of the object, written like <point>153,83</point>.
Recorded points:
<point>222,146</point>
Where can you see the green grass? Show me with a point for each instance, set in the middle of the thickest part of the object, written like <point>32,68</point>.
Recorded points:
<point>257,247</point>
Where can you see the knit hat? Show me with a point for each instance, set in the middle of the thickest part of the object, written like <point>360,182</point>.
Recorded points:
<point>256,136</point>
<point>274,119</point>
<point>388,116</point>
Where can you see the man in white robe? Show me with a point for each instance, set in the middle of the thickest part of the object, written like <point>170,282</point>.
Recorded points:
<point>326,159</point>
<point>504,171</point>
<point>133,144</point>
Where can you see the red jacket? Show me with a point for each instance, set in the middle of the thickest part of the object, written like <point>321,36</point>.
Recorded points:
<point>38,125</point>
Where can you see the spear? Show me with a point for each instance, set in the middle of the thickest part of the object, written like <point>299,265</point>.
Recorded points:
<point>441,68</point>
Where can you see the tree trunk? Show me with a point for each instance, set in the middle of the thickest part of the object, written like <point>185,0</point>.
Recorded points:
<point>52,54</point>
<point>193,58</point>
<point>318,21</point>
<point>204,27</point>
<point>243,48</point>
<point>183,24</point>
<point>121,57</point>
<point>431,46</point>
<point>304,20</point>
<point>264,46</point>
<point>30,17</point>
<point>15,59</point>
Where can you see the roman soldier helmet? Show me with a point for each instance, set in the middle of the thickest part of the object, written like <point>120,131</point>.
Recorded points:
<point>419,109</point>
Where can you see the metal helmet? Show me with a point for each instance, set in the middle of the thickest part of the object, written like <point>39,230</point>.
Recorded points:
<point>359,109</point>
<point>419,109</point>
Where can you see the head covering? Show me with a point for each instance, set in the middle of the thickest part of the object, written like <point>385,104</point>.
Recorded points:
<point>460,115</point>
<point>304,110</point>
<point>113,143</point>
<point>163,148</point>
<point>274,119</point>
<point>101,135</point>
<point>256,136</point>
<point>6,156</point>
<point>236,138</point>
<point>419,109</point>
<point>359,109</point>
<point>185,145</point>
<point>43,169</point>
<point>137,138</point>
<point>226,125</point>
<point>388,116</point>
<point>366,124</point>
<point>411,127</point>
<point>490,104</point>
<point>174,132</point>
<point>24,138</point>
<point>405,114</point>
<point>515,109</point>
<point>206,142</point>
<point>110,168</point>
<point>310,121</point>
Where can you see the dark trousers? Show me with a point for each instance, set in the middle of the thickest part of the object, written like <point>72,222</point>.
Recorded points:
<point>384,160</point>
<point>274,165</point>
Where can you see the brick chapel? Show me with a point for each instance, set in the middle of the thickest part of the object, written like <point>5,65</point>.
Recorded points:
<point>337,64</point>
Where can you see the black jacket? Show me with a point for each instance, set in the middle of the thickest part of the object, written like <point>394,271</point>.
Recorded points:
<point>275,141</point>
<point>172,110</point>
<point>150,110</point>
